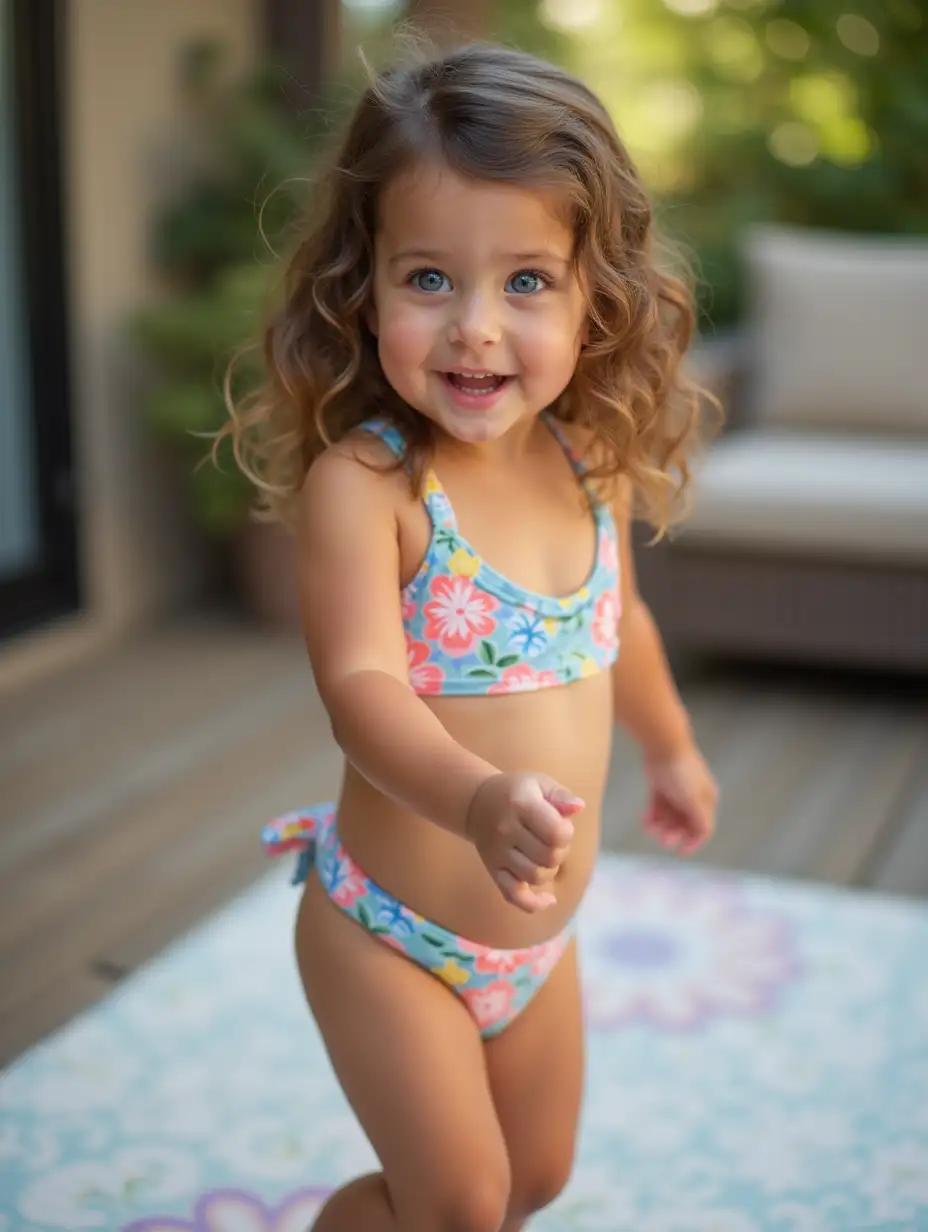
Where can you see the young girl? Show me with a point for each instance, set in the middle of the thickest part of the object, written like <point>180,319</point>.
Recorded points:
<point>473,373</point>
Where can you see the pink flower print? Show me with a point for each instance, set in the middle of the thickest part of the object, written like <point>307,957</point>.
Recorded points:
<point>608,552</point>
<point>516,679</point>
<point>497,962</point>
<point>457,614</point>
<point>407,608</point>
<point>292,832</point>
<point>424,677</point>
<point>348,883</point>
<point>548,956</point>
<point>394,942</point>
<point>604,625</point>
<point>491,1004</point>
<point>520,678</point>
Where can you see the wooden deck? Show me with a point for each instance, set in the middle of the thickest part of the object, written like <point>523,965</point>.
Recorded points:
<point>132,787</point>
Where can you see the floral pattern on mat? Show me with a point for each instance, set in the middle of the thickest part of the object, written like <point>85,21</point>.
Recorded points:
<point>231,1210</point>
<point>758,1062</point>
<point>733,959</point>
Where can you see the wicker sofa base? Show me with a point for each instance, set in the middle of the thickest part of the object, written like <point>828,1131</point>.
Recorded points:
<point>821,611</point>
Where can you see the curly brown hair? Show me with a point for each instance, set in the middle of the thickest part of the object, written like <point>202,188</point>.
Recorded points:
<point>489,113</point>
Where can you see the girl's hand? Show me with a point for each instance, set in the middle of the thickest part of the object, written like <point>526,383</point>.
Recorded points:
<point>519,825</point>
<point>684,795</point>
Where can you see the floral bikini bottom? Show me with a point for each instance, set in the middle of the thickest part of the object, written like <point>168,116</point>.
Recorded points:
<point>495,985</point>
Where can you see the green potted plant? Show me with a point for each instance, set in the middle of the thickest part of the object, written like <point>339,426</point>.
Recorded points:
<point>214,246</point>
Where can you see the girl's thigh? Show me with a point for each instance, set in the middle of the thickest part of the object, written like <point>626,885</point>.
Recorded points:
<point>410,1061</point>
<point>536,1071</point>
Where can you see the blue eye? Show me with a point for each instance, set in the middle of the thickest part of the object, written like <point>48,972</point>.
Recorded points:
<point>527,282</point>
<point>429,280</point>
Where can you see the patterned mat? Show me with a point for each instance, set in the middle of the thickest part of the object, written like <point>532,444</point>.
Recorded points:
<point>758,1060</point>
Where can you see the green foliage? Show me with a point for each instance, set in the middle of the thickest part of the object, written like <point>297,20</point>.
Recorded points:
<point>785,110</point>
<point>214,247</point>
<point>517,24</point>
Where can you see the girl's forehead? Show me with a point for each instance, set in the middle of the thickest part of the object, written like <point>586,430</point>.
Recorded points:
<point>436,207</point>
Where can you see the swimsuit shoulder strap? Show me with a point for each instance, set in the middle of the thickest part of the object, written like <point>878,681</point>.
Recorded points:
<point>389,434</point>
<point>434,496</point>
<point>558,431</point>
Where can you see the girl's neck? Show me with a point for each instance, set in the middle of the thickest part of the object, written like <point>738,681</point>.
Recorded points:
<point>507,450</point>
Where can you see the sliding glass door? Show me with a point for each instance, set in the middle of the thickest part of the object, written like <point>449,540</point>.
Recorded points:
<point>38,564</point>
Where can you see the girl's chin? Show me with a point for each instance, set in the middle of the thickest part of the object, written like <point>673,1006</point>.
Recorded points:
<point>476,429</point>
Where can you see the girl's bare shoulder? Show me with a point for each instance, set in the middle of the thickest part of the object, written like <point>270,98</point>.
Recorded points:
<point>357,483</point>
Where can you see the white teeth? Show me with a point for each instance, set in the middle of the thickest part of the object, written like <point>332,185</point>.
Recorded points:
<point>490,382</point>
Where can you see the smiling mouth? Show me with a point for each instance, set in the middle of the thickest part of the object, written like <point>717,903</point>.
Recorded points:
<point>476,383</point>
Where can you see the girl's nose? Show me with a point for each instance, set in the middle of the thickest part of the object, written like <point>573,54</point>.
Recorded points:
<point>475,321</point>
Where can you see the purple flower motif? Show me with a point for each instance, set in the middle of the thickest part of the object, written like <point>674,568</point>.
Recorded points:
<point>233,1210</point>
<point>679,951</point>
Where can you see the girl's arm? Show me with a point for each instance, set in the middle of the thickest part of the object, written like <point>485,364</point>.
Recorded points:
<point>683,794</point>
<point>349,580</point>
<point>349,567</point>
<point>646,700</point>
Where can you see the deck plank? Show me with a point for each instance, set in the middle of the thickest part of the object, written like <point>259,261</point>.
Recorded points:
<point>902,867</point>
<point>121,842</point>
<point>219,822</point>
<point>110,752</point>
<point>133,678</point>
<point>50,1008</point>
<point>717,710</point>
<point>834,822</point>
<point>133,787</point>
<point>776,749</point>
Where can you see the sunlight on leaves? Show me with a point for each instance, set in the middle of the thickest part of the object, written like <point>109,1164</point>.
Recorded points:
<point>849,142</point>
<point>735,50</point>
<point>787,40</point>
<point>822,98</point>
<point>692,8</point>
<point>794,143</point>
<point>858,35</point>
<point>570,14</point>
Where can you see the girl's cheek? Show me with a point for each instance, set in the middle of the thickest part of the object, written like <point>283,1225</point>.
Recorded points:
<point>404,348</point>
<point>407,335</point>
<point>551,345</point>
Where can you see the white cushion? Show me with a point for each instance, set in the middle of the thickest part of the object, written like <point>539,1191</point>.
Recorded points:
<point>849,498</point>
<point>840,326</point>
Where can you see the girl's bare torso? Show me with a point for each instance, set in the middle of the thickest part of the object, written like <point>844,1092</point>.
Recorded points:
<point>548,546</point>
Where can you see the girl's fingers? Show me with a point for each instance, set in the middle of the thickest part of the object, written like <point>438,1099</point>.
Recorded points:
<point>544,855</point>
<point>541,819</point>
<point>676,828</point>
<point>524,869</point>
<point>522,895</point>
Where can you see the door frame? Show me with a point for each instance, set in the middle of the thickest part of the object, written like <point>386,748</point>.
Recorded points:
<point>52,588</point>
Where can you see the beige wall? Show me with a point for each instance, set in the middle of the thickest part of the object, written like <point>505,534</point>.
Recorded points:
<point>123,127</point>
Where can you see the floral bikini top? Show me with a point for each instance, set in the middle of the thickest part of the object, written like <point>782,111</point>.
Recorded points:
<point>471,631</point>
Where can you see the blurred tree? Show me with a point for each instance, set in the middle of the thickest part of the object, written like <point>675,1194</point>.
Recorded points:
<point>214,244</point>
<point>513,22</point>
<point>521,23</point>
<point>303,36</point>
<point>460,19</point>
<point>748,110</point>
<point>213,247</point>
<point>736,110</point>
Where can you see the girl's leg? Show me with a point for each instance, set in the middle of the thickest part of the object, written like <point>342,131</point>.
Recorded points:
<point>410,1060</point>
<point>535,1068</point>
